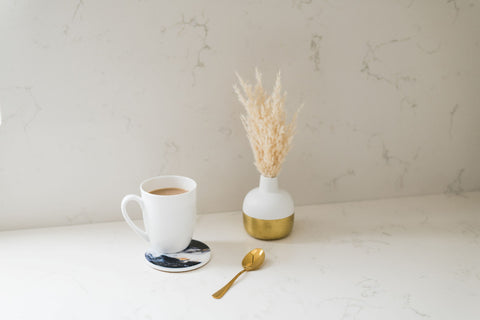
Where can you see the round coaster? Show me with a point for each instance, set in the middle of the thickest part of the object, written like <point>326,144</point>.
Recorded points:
<point>196,255</point>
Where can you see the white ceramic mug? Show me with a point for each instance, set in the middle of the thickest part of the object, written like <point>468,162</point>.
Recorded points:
<point>168,219</point>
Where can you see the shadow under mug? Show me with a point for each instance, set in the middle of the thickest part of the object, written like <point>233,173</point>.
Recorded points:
<point>169,219</point>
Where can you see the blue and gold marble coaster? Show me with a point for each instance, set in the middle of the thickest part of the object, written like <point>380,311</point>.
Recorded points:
<point>196,255</point>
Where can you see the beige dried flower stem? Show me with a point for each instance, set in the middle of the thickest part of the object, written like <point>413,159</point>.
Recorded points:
<point>269,135</point>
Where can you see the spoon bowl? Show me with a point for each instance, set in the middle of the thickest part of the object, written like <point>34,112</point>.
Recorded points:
<point>254,259</point>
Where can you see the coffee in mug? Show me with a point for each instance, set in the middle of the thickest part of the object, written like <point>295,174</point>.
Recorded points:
<point>168,191</point>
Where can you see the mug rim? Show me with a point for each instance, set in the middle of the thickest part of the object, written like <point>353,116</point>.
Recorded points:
<point>170,195</point>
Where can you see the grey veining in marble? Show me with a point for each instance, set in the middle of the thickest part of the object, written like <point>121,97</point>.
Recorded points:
<point>96,96</point>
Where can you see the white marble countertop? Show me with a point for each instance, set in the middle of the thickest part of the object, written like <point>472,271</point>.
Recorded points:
<point>408,258</point>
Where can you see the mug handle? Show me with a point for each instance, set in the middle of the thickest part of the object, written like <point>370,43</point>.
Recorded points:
<point>125,201</point>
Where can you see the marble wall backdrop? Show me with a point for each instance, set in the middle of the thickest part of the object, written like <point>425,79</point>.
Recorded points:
<point>96,96</point>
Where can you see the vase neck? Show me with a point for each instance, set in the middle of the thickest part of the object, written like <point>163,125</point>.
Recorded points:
<point>268,184</point>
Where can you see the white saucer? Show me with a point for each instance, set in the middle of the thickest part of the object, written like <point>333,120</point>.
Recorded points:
<point>196,255</point>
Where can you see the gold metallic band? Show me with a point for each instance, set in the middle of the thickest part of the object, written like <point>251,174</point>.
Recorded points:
<point>268,229</point>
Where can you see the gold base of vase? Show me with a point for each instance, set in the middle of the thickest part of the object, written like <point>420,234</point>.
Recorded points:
<point>268,229</point>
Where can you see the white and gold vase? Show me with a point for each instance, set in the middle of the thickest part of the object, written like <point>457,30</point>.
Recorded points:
<point>268,211</point>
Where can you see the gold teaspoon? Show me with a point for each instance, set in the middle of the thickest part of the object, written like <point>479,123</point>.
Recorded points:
<point>252,261</point>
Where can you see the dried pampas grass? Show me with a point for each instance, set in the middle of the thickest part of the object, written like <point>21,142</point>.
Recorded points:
<point>265,122</point>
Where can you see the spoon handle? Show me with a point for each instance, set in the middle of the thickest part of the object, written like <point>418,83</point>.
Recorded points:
<point>221,292</point>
